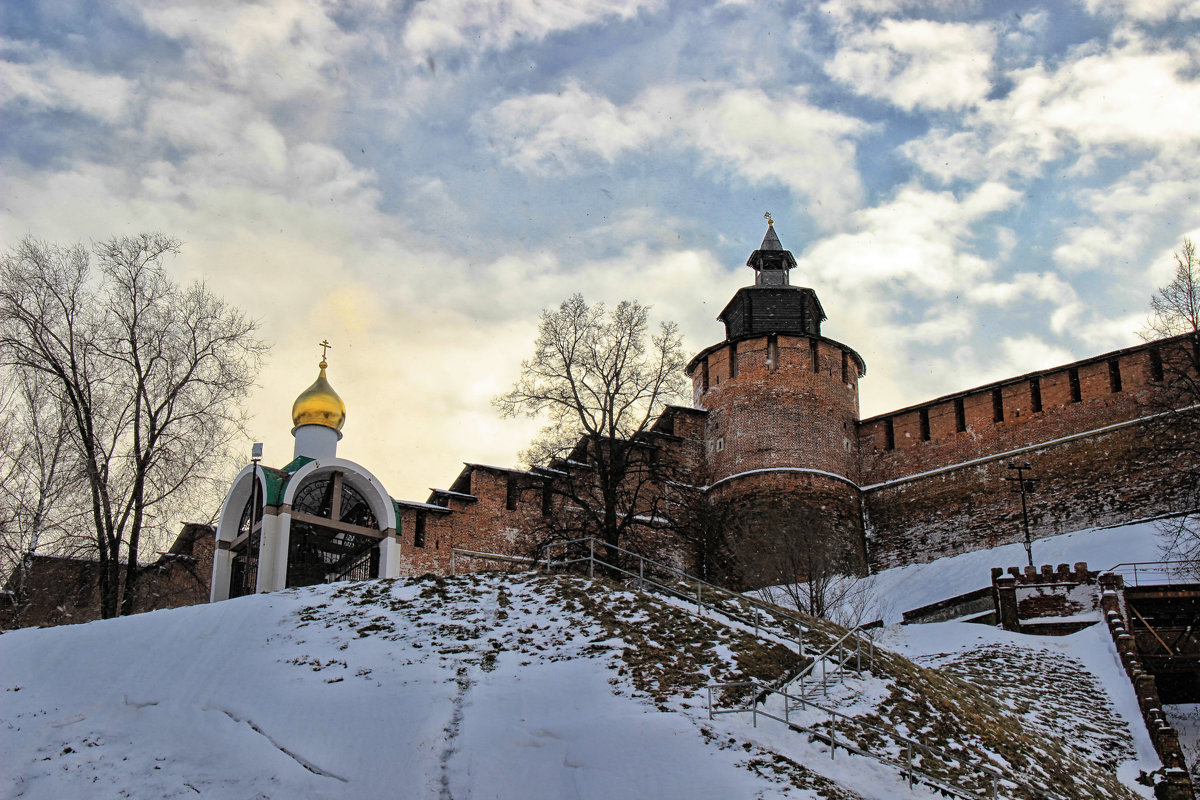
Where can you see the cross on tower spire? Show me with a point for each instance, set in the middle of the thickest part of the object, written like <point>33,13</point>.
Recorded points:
<point>324,345</point>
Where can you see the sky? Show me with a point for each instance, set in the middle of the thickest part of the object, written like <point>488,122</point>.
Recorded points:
<point>974,189</point>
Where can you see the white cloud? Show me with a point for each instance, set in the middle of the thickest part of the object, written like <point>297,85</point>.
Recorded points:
<point>781,140</point>
<point>49,84</point>
<point>439,25</point>
<point>918,241</point>
<point>274,51</point>
<point>1127,214</point>
<point>918,63</point>
<point>1039,286</point>
<point>1093,104</point>
<point>1146,10</point>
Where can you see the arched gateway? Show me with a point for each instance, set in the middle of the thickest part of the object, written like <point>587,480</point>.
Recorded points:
<point>320,518</point>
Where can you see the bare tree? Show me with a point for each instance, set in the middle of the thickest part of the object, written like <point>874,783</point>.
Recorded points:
<point>151,375</point>
<point>1175,315</point>
<point>599,379</point>
<point>40,481</point>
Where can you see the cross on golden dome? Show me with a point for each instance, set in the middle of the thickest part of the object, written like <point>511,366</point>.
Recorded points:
<point>319,404</point>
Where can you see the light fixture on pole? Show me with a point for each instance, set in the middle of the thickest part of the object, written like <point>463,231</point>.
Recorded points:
<point>1024,485</point>
<point>256,452</point>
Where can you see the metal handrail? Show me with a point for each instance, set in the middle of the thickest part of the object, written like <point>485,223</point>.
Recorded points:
<point>1170,570</point>
<point>841,660</point>
<point>700,583</point>
<point>906,769</point>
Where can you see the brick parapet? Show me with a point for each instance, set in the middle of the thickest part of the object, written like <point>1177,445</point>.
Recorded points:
<point>963,427</point>
<point>1049,601</point>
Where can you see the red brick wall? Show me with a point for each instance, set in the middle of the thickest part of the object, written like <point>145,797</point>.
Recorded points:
<point>63,591</point>
<point>1021,427</point>
<point>1102,478</point>
<point>790,416</point>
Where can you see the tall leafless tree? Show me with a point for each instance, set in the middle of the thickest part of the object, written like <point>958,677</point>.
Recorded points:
<point>1175,314</point>
<point>599,379</point>
<point>151,374</point>
<point>40,481</point>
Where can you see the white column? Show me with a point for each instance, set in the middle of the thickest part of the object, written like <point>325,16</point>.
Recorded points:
<point>389,555</point>
<point>268,550</point>
<point>315,441</point>
<point>282,537</point>
<point>222,569</point>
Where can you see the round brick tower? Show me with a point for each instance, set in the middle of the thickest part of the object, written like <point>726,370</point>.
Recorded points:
<point>781,432</point>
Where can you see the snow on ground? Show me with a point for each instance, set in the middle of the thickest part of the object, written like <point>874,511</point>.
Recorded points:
<point>492,686</point>
<point>1072,685</point>
<point>904,588</point>
<point>1185,719</point>
<point>486,687</point>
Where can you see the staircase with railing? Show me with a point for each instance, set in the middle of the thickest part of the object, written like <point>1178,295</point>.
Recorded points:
<point>852,652</point>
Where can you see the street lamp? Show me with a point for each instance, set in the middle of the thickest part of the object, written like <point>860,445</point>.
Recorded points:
<point>256,452</point>
<point>1023,485</point>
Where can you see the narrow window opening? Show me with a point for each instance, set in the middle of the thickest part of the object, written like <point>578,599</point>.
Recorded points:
<point>510,493</point>
<point>1156,368</point>
<point>547,498</point>
<point>704,375</point>
<point>924,424</point>
<point>816,355</point>
<point>960,415</point>
<point>845,367</point>
<point>772,352</point>
<point>889,434</point>
<point>419,530</point>
<point>1073,379</point>
<point>720,444</point>
<point>733,361</point>
<point>997,406</point>
<point>1035,395</point>
<point>1114,375</point>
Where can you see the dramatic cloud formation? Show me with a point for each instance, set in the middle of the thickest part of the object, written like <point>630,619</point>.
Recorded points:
<point>972,192</point>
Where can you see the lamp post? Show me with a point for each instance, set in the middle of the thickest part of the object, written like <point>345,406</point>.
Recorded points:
<point>1023,485</point>
<point>256,452</point>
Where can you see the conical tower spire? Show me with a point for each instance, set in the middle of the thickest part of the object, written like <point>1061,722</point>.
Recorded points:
<point>770,261</point>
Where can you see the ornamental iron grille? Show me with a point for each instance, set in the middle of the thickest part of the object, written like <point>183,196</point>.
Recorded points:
<point>323,545</point>
<point>244,577</point>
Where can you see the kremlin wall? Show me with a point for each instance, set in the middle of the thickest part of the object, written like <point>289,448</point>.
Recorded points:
<point>774,433</point>
<point>772,449</point>
<point>771,458</point>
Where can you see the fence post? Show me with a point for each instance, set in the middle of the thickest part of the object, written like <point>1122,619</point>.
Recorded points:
<point>547,558</point>
<point>908,762</point>
<point>641,573</point>
<point>832,739</point>
<point>591,558</point>
<point>453,567</point>
<point>699,604</point>
<point>710,702</point>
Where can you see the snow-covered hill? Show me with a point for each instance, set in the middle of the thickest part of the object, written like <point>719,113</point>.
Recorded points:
<point>511,686</point>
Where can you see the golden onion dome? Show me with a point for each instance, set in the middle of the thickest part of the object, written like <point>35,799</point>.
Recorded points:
<point>319,404</point>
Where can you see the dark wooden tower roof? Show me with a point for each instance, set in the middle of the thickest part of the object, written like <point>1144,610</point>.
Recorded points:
<point>772,305</point>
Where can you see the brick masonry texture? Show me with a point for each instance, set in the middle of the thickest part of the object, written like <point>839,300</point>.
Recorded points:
<point>772,420</point>
<point>791,414</point>
<point>63,591</point>
<point>1101,477</point>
